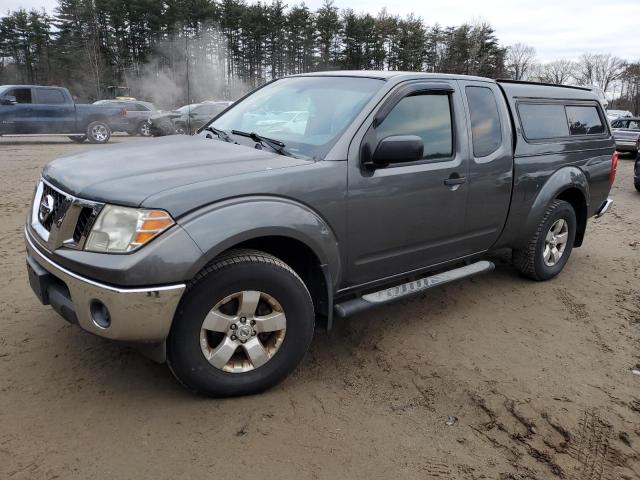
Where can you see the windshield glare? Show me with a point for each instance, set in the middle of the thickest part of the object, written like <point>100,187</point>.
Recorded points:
<point>308,114</point>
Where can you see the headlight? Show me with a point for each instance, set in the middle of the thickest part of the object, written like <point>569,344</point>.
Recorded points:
<point>123,229</point>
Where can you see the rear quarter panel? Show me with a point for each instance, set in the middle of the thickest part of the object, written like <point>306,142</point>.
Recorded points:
<point>543,169</point>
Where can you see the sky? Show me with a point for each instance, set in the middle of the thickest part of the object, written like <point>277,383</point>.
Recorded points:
<point>555,28</point>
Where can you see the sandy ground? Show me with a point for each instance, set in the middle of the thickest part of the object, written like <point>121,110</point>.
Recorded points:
<point>537,378</point>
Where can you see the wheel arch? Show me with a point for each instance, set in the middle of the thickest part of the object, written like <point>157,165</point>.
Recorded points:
<point>283,228</point>
<point>569,184</point>
<point>305,262</point>
<point>576,198</point>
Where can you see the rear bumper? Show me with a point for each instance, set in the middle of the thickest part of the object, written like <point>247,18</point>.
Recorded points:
<point>604,207</point>
<point>133,314</point>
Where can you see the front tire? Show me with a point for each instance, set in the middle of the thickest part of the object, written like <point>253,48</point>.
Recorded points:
<point>636,184</point>
<point>98,132</point>
<point>243,325</point>
<point>549,249</point>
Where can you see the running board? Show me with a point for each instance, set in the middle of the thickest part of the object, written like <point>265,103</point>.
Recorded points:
<point>370,300</point>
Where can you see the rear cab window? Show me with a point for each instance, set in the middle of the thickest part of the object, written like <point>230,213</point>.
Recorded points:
<point>549,121</point>
<point>49,96</point>
<point>486,129</point>
<point>584,120</point>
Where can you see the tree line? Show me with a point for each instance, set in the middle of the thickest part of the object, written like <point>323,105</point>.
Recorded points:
<point>96,44</point>
<point>175,51</point>
<point>618,77</point>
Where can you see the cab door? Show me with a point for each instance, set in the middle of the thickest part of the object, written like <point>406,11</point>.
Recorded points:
<point>17,118</point>
<point>52,112</point>
<point>490,165</point>
<point>410,214</point>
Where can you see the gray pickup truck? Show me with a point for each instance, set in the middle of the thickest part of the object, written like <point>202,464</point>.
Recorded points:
<point>222,252</point>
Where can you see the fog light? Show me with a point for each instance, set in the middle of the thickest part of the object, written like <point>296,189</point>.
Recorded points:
<point>100,314</point>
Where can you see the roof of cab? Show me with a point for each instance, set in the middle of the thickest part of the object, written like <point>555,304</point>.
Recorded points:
<point>533,90</point>
<point>396,75</point>
<point>515,89</point>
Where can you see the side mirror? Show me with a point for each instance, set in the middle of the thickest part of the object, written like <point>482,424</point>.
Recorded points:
<point>8,100</point>
<point>397,149</point>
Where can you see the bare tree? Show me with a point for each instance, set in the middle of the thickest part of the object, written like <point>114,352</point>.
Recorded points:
<point>558,72</point>
<point>520,60</point>
<point>600,69</point>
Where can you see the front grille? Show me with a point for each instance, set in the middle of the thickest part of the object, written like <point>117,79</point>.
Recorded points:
<point>60,205</point>
<point>60,219</point>
<point>85,219</point>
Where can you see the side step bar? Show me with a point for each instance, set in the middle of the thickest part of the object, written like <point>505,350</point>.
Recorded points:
<point>370,300</point>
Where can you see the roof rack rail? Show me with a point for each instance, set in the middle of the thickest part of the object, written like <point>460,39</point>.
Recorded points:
<point>525,82</point>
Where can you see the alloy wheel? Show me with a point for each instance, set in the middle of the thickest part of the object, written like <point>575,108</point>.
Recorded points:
<point>99,133</point>
<point>555,242</point>
<point>243,331</point>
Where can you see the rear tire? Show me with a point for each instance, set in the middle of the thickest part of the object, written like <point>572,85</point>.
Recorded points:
<point>98,132</point>
<point>213,312</point>
<point>636,184</point>
<point>77,138</point>
<point>549,249</point>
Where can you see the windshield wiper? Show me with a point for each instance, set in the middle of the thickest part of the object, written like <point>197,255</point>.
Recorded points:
<point>222,135</point>
<point>276,145</point>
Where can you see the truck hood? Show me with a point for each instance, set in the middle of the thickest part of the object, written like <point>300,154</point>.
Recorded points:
<point>127,174</point>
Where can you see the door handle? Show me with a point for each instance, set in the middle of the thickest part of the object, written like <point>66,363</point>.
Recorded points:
<point>453,181</point>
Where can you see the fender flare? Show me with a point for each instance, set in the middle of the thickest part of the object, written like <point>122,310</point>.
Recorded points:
<point>563,179</point>
<point>220,226</point>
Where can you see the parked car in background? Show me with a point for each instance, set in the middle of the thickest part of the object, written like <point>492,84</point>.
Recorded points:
<point>185,120</point>
<point>613,114</point>
<point>225,250</point>
<point>135,120</point>
<point>626,132</point>
<point>45,110</point>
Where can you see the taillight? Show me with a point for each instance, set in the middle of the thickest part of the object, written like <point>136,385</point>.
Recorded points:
<point>614,168</point>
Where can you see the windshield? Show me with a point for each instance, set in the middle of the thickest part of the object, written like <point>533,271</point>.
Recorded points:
<point>308,114</point>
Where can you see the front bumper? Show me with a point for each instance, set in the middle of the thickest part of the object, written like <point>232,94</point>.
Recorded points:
<point>133,314</point>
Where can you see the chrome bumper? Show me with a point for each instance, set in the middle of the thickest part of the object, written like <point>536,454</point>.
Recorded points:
<point>135,314</point>
<point>603,208</point>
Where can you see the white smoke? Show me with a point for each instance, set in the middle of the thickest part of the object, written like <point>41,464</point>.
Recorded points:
<point>186,70</point>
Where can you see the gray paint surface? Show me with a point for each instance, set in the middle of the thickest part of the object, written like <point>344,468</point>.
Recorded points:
<point>366,226</point>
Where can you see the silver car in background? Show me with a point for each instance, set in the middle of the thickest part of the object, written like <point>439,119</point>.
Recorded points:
<point>135,120</point>
<point>614,114</point>
<point>626,132</point>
